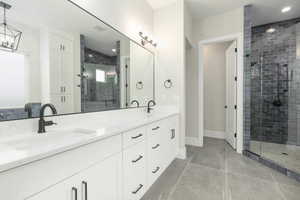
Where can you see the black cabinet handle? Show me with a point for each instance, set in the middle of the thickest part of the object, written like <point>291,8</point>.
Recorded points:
<point>139,158</point>
<point>156,128</point>
<point>137,190</point>
<point>75,193</point>
<point>136,137</point>
<point>156,146</point>
<point>85,186</point>
<point>156,170</point>
<point>173,134</point>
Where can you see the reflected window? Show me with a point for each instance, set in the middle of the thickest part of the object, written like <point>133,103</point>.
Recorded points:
<point>12,82</point>
<point>100,76</point>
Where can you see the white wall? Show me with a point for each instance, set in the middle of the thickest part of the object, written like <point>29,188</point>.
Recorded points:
<point>30,85</point>
<point>215,86</point>
<point>128,16</point>
<point>205,29</point>
<point>219,25</point>
<point>188,26</point>
<point>169,32</point>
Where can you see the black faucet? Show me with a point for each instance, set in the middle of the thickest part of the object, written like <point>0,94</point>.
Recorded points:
<point>137,103</point>
<point>42,122</point>
<point>149,106</point>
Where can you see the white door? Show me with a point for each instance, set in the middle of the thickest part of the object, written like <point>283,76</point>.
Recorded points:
<point>231,89</point>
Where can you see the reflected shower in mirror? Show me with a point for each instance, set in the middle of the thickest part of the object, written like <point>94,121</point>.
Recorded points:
<point>82,66</point>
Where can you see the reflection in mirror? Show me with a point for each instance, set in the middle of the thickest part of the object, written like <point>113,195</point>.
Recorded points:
<point>81,66</point>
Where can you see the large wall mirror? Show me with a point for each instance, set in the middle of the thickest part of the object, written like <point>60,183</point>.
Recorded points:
<point>62,55</point>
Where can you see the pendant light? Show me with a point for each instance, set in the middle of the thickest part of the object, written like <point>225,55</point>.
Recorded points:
<point>9,36</point>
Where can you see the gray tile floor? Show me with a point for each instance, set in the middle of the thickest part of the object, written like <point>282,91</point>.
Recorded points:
<point>216,172</point>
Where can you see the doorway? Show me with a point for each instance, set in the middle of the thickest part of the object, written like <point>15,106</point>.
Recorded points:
<point>220,91</point>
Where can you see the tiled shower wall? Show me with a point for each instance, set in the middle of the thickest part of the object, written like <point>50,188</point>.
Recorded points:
<point>273,67</point>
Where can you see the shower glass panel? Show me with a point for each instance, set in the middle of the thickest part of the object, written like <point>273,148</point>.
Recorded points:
<point>275,93</point>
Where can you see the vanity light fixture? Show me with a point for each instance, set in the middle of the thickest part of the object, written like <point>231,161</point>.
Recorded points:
<point>286,9</point>
<point>146,40</point>
<point>9,36</point>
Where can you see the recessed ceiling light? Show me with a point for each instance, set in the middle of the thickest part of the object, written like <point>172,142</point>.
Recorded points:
<point>271,30</point>
<point>114,50</point>
<point>286,9</point>
<point>91,55</point>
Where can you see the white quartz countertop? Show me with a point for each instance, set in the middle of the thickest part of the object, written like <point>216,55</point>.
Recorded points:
<point>21,149</point>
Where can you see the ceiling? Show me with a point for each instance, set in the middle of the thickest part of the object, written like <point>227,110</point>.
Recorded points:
<point>52,14</point>
<point>264,11</point>
<point>156,4</point>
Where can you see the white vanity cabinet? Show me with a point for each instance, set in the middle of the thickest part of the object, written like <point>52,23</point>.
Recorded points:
<point>101,181</point>
<point>120,167</point>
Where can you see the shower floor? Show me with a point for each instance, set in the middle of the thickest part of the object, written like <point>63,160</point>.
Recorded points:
<point>287,156</point>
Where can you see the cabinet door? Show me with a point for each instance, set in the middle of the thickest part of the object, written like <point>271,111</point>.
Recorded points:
<point>67,105</point>
<point>56,100</point>
<point>67,69</point>
<point>172,138</point>
<point>66,190</point>
<point>55,64</point>
<point>103,181</point>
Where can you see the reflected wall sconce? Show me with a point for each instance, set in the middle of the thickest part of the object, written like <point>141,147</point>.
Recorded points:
<point>146,40</point>
<point>168,83</point>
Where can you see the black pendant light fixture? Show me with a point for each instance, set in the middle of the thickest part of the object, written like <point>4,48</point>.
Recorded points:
<point>9,36</point>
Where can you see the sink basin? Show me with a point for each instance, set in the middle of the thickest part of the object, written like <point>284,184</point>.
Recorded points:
<point>49,139</point>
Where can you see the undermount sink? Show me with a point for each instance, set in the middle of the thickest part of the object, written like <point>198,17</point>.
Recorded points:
<point>51,138</point>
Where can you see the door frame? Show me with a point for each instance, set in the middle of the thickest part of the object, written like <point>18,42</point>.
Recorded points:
<point>240,85</point>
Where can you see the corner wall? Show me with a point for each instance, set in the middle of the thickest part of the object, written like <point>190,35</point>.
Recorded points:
<point>169,31</point>
<point>205,29</point>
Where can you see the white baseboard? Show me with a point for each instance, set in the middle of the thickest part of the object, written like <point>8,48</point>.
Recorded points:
<point>193,141</point>
<point>214,134</point>
<point>182,153</point>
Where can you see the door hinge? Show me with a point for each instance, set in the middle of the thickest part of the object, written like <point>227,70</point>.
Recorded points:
<point>126,66</point>
<point>126,85</point>
<point>235,107</point>
<point>235,135</point>
<point>235,49</point>
<point>235,78</point>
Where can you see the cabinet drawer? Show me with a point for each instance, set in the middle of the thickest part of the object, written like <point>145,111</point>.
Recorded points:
<point>155,164</point>
<point>133,137</point>
<point>155,128</point>
<point>134,167</point>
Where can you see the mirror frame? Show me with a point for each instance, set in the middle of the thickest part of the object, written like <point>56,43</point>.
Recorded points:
<point>81,9</point>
